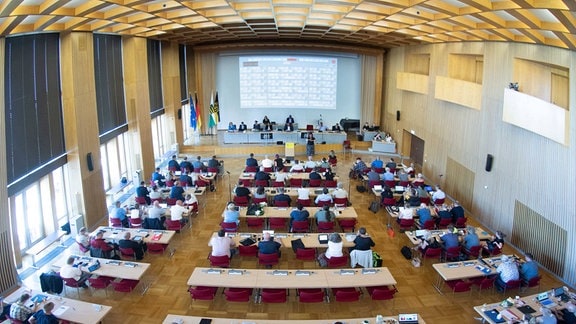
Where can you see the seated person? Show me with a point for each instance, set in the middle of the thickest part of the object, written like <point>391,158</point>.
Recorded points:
<point>366,127</point>
<point>261,175</point>
<point>241,191</point>
<point>157,212</point>
<point>329,175</point>
<point>251,161</point>
<point>265,121</point>
<point>314,175</point>
<point>377,136</point>
<point>142,192</point>
<point>178,211</point>
<point>231,127</point>
<point>173,164</point>
<point>324,197</point>
<point>471,238</point>
<point>268,245</point>
<point>359,167</point>
<point>268,127</point>
<point>423,214</point>
<point>336,128</point>
<point>373,175</point>
<point>419,181</point>
<point>256,126</point>
<point>222,245</point>
<point>334,246</point>
<point>457,211</point>
<point>450,239</point>
<point>391,164</point>
<point>98,242</point>
<point>299,214</point>
<point>260,193</point>
<point>213,162</point>
<point>288,127</point>
<point>388,138</point>
<point>405,213</point>
<point>177,192</point>
<point>120,213</point>
<point>402,176</point>
<point>495,241</point>
<point>528,269</point>
<point>362,241</point>
<point>185,179</point>
<point>280,175</point>
<point>324,214</point>
<point>387,193</point>
<point>290,120</point>
<point>138,247</point>
<point>190,200</point>
<point>198,164</point>
<point>388,175</point>
<point>303,192</point>
<point>158,178</point>
<point>281,196</point>
<point>45,316</point>
<point>428,241</point>
<point>278,163</point>
<point>242,127</point>
<point>443,213</point>
<point>438,194</point>
<point>411,197</point>
<point>186,165</point>
<point>267,163</point>
<point>508,270</point>
<point>409,169</point>
<point>232,214</point>
<point>70,271</point>
<point>324,163</point>
<point>82,238</point>
<point>332,159</point>
<point>310,164</point>
<point>377,163</point>
<point>321,127</point>
<point>566,315</point>
<point>297,167</point>
<point>20,311</point>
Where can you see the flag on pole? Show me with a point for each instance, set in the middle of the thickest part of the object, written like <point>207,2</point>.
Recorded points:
<point>198,112</point>
<point>217,108</point>
<point>213,116</point>
<point>192,112</point>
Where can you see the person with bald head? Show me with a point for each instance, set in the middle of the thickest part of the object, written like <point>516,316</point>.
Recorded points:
<point>268,245</point>
<point>138,247</point>
<point>177,211</point>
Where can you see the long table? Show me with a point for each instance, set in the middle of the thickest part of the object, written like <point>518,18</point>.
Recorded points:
<point>71,310</point>
<point>482,235</point>
<point>384,147</point>
<point>290,191</point>
<point>111,268</point>
<point>310,240</point>
<point>272,137</point>
<point>291,175</point>
<point>284,212</point>
<point>184,319</point>
<point>148,236</point>
<point>290,279</point>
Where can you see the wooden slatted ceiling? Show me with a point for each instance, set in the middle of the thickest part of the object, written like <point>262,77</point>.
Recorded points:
<point>369,23</point>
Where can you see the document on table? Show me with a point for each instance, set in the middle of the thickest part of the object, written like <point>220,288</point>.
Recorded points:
<point>60,310</point>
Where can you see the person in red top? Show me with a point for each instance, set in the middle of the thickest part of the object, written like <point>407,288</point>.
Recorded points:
<point>98,242</point>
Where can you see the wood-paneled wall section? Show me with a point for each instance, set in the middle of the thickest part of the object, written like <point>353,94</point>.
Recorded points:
<point>542,80</point>
<point>418,63</point>
<point>466,67</point>
<point>171,90</point>
<point>459,183</point>
<point>541,237</point>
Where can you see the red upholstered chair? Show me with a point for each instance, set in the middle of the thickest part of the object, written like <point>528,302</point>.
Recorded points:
<point>281,203</point>
<point>82,248</point>
<point>72,283</point>
<point>381,292</point>
<point>406,224</point>
<point>325,227</point>
<point>429,224</point>
<point>439,201</point>
<point>346,295</point>
<point>389,202</point>
<point>140,200</point>
<point>246,182</point>
<point>268,169</point>
<point>485,283</point>
<point>390,183</point>
<point>160,200</point>
<point>241,201</point>
<point>277,223</point>
<point>306,254</point>
<point>373,183</point>
<point>250,250</point>
<point>305,202</point>
<point>212,170</point>
<point>277,184</point>
<point>347,146</point>
<point>219,261</point>
<point>308,170</point>
<point>197,170</point>
<point>260,200</point>
<point>461,222</point>
<point>432,253</point>
<point>202,292</point>
<point>315,183</point>
<point>261,183</point>
<point>115,222</point>
<point>474,251</point>
<point>347,224</point>
<point>171,201</point>
<point>124,285</point>
<point>330,183</point>
<point>173,225</point>
<point>338,262</point>
<point>13,320</point>
<point>135,222</point>
<point>534,282</point>
<point>269,295</point>
<point>169,183</point>
<point>255,222</point>
<point>452,253</point>
<point>238,294</point>
<point>379,170</point>
<point>251,169</point>
<point>444,222</point>
<point>311,295</point>
<point>425,200</point>
<point>495,251</point>
<point>404,183</point>
<point>100,282</point>
<point>459,285</point>
<point>295,182</point>
<point>512,284</point>
<point>268,260</point>
<point>127,253</point>
<point>300,226</point>
<point>322,203</point>
<point>156,248</point>
<point>229,227</point>
<point>341,202</point>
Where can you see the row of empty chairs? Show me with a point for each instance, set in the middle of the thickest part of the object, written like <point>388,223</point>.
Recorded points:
<point>269,260</point>
<point>488,283</point>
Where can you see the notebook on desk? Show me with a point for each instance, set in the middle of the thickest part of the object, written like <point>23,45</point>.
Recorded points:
<point>378,188</point>
<point>399,189</point>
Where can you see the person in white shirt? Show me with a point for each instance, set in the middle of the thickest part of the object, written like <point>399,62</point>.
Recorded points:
<point>409,169</point>
<point>281,176</point>
<point>322,128</point>
<point>177,211</point>
<point>69,271</point>
<point>155,195</point>
<point>334,246</point>
<point>267,163</point>
<point>297,167</point>
<point>303,193</point>
<point>339,192</point>
<point>310,164</point>
<point>323,197</point>
<point>82,238</point>
<point>190,199</point>
<point>222,245</point>
<point>155,211</point>
<point>405,213</point>
<point>438,194</point>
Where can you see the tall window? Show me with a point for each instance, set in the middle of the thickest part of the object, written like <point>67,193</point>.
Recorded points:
<point>34,127</point>
<point>115,162</point>
<point>158,140</point>
<point>41,208</point>
<point>155,77</point>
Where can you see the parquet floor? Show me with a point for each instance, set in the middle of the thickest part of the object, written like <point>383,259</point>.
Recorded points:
<point>168,275</point>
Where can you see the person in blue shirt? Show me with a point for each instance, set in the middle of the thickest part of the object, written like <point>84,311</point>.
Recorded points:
<point>450,239</point>
<point>268,245</point>
<point>118,212</point>
<point>423,213</point>
<point>471,238</point>
<point>231,214</point>
<point>529,269</point>
<point>231,127</point>
<point>251,161</point>
<point>177,192</point>
<point>198,164</point>
<point>45,316</point>
<point>388,176</point>
<point>173,164</point>
<point>377,163</point>
<point>158,178</point>
<point>299,214</point>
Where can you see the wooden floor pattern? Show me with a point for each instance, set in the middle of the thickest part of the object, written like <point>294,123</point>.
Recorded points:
<point>168,275</point>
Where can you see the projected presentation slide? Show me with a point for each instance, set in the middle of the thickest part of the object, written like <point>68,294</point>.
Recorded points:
<point>288,82</point>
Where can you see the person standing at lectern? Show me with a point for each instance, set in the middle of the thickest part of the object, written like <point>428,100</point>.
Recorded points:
<point>290,120</point>
<point>310,144</point>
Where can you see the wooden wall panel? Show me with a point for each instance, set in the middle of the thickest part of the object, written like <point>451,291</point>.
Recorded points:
<point>459,183</point>
<point>171,92</point>
<point>412,82</point>
<point>526,165</point>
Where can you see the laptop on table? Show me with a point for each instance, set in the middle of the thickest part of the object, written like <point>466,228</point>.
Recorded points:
<point>545,301</point>
<point>323,238</point>
<point>378,188</point>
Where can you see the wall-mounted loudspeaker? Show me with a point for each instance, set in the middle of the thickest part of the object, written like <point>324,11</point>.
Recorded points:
<point>397,114</point>
<point>489,160</point>
<point>89,162</point>
<point>179,113</point>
